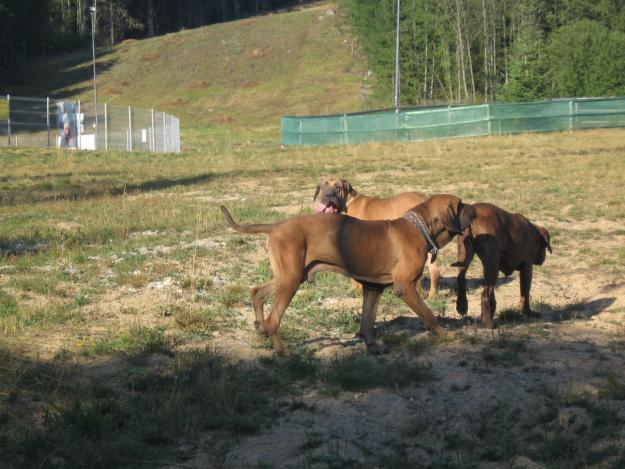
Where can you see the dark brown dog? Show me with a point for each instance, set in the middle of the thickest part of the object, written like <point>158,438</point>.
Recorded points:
<point>338,196</point>
<point>376,253</point>
<point>504,242</point>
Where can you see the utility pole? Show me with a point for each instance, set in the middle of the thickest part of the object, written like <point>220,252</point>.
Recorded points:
<point>396,94</point>
<point>95,89</point>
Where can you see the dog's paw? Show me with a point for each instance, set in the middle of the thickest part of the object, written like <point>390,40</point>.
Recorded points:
<point>462,306</point>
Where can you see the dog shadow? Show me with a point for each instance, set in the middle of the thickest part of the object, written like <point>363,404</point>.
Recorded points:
<point>451,283</point>
<point>409,326</point>
<point>546,313</point>
<point>584,309</point>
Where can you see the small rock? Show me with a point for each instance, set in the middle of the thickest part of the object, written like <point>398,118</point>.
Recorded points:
<point>161,284</point>
<point>523,462</point>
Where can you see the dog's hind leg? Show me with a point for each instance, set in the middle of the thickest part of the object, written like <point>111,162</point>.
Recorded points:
<point>259,296</point>
<point>284,294</point>
<point>407,292</point>
<point>526,285</point>
<point>489,303</point>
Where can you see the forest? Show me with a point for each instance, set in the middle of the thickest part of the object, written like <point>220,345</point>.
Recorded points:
<point>38,27</point>
<point>452,51</point>
<point>464,51</point>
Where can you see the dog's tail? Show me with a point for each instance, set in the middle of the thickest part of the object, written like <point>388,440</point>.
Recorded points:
<point>258,228</point>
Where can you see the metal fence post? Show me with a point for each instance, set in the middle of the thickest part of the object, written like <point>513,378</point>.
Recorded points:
<point>106,127</point>
<point>9,118</point>
<point>171,130</point>
<point>177,135</point>
<point>164,133</point>
<point>490,129</point>
<point>48,118</point>
<point>571,115</point>
<point>129,128</point>
<point>78,125</point>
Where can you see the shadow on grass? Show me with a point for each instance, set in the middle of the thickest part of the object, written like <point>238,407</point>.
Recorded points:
<point>140,401</point>
<point>20,247</point>
<point>123,410</point>
<point>84,192</point>
<point>61,73</point>
<point>146,404</point>
<point>578,310</point>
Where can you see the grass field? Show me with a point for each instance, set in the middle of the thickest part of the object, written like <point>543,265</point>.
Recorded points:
<point>127,331</point>
<point>126,327</point>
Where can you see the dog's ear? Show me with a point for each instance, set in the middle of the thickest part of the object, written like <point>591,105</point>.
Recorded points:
<point>317,191</point>
<point>450,221</point>
<point>350,190</point>
<point>451,217</point>
<point>347,189</point>
<point>546,238</point>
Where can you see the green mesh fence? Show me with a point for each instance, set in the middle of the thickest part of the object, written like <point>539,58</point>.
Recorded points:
<point>427,123</point>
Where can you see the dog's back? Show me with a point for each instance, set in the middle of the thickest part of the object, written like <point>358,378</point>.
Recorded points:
<point>515,238</point>
<point>372,208</point>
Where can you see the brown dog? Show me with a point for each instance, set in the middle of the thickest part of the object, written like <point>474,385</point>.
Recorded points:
<point>338,196</point>
<point>504,242</point>
<point>376,253</point>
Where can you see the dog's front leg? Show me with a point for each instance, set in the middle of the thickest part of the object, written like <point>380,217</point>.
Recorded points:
<point>370,300</point>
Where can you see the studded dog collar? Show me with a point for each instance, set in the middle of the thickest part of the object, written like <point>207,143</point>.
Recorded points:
<point>416,220</point>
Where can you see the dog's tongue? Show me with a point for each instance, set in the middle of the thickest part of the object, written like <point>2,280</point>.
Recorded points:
<point>323,208</point>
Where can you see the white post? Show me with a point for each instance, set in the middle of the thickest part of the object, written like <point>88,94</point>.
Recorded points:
<point>130,128</point>
<point>48,119</point>
<point>106,127</point>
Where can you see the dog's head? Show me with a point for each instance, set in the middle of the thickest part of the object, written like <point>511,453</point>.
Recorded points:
<point>544,243</point>
<point>333,195</point>
<point>452,213</point>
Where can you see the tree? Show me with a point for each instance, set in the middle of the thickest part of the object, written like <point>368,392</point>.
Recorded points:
<point>586,59</point>
<point>526,68</point>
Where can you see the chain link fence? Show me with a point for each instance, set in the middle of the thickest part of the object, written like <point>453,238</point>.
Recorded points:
<point>437,122</point>
<point>48,123</point>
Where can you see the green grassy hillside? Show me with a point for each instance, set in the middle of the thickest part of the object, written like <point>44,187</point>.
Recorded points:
<point>236,77</point>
